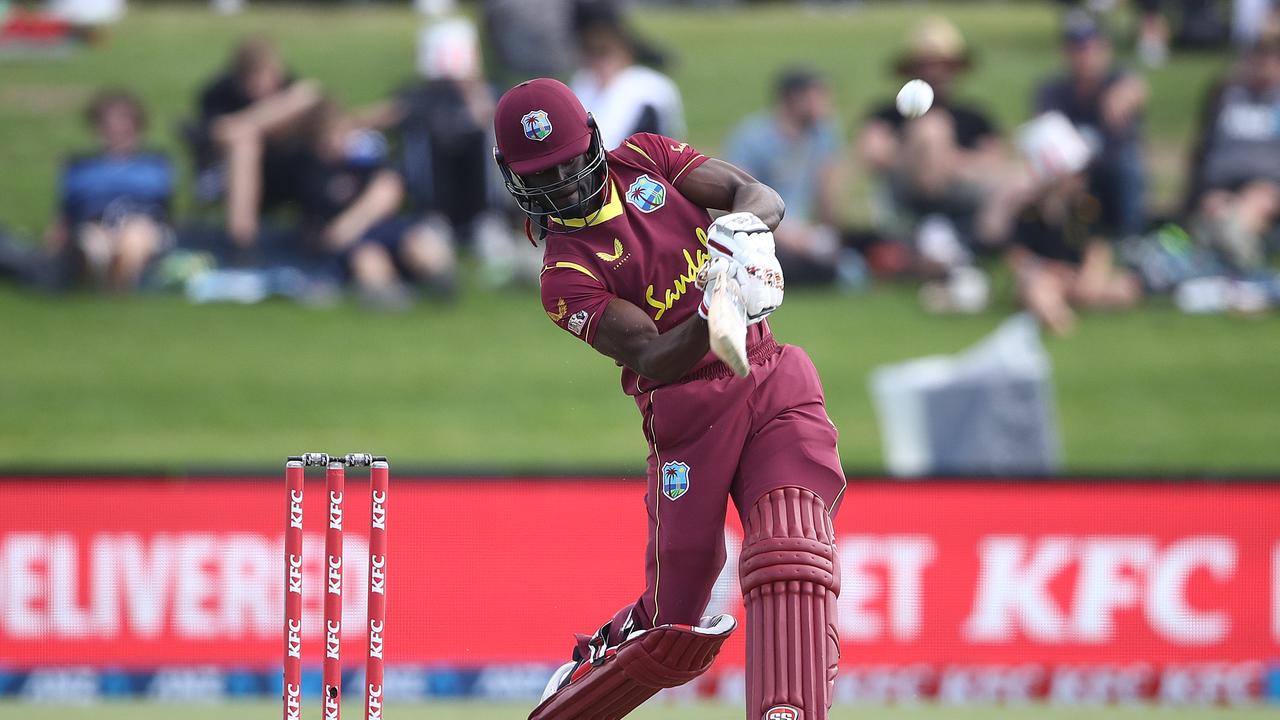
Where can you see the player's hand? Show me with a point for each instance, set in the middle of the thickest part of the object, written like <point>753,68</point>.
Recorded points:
<point>760,279</point>
<point>762,284</point>
<point>737,235</point>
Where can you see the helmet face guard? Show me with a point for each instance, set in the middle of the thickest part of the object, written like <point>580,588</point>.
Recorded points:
<point>537,203</point>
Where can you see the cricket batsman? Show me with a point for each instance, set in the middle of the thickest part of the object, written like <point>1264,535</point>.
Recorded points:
<point>629,247</point>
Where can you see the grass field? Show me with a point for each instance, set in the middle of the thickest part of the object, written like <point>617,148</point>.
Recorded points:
<point>478,711</point>
<point>487,382</point>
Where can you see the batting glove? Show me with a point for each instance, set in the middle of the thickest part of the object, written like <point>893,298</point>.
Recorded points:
<point>760,280</point>
<point>736,235</point>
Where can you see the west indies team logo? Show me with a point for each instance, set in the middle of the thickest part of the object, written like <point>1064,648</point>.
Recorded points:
<point>647,194</point>
<point>675,480</point>
<point>537,126</point>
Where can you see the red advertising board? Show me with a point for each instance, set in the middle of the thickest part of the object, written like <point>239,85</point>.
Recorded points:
<point>149,572</point>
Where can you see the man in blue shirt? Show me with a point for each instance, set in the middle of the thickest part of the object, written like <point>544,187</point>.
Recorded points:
<point>795,149</point>
<point>114,203</point>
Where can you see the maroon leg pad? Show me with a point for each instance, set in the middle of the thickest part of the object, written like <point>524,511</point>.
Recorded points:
<point>790,581</point>
<point>664,657</point>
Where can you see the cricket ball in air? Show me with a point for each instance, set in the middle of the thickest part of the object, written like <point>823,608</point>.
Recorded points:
<point>915,98</point>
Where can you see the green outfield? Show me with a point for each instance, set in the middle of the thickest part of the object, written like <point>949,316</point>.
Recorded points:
<point>487,382</point>
<point>484,711</point>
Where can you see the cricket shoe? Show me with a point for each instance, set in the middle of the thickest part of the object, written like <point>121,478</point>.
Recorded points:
<point>589,650</point>
<point>593,651</point>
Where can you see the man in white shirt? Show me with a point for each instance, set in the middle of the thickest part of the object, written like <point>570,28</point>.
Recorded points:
<point>625,96</point>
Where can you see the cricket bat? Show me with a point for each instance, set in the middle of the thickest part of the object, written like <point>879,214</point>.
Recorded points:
<point>727,324</point>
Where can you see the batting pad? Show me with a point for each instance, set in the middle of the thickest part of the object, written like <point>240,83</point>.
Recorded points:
<point>790,581</point>
<point>614,685</point>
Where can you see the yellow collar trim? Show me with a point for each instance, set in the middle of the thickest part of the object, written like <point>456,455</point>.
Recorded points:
<point>611,210</point>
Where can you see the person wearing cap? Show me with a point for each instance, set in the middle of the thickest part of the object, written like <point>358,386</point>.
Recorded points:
<point>1049,223</point>
<point>1235,188</point>
<point>1105,103</point>
<point>630,254</point>
<point>114,216</point>
<point>936,167</point>
<point>795,148</point>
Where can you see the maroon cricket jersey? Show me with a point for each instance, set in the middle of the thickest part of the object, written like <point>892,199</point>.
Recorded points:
<point>644,246</point>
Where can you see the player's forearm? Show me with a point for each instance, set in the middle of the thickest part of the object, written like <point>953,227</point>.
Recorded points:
<point>721,186</point>
<point>762,201</point>
<point>667,357</point>
<point>630,337</point>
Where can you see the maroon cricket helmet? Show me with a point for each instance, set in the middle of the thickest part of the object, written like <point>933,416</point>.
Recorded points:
<point>540,124</point>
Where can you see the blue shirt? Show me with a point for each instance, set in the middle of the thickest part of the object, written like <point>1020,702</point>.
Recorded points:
<point>107,187</point>
<point>791,165</point>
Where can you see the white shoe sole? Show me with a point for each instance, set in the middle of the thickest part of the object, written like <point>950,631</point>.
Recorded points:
<point>556,679</point>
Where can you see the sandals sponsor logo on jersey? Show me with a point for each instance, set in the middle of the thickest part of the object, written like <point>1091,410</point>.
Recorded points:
<point>675,480</point>
<point>578,322</point>
<point>647,194</point>
<point>537,126</point>
<point>782,712</point>
<point>682,282</point>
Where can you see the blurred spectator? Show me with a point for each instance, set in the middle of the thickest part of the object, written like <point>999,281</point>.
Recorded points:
<point>243,144</point>
<point>624,96</point>
<point>349,200</point>
<point>1236,168</point>
<point>1105,103</point>
<point>445,124</point>
<point>936,168</point>
<point>1153,34</point>
<point>1049,221</point>
<point>114,203</point>
<point>528,39</point>
<point>795,149</point>
<point>1251,19</point>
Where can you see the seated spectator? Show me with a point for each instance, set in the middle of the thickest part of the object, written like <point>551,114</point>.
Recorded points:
<point>114,202</point>
<point>625,96</point>
<point>349,200</point>
<point>1105,103</point>
<point>1049,222</point>
<point>244,145</point>
<point>1236,170</point>
<point>795,149</point>
<point>938,167</point>
<point>444,122</point>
